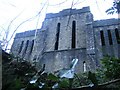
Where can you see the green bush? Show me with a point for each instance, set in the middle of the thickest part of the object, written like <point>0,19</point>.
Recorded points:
<point>111,67</point>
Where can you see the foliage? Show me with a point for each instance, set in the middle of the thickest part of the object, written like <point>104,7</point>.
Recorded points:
<point>6,57</point>
<point>19,74</point>
<point>111,67</point>
<point>15,74</point>
<point>110,70</point>
<point>115,8</point>
<point>100,76</point>
<point>81,79</point>
<point>92,78</point>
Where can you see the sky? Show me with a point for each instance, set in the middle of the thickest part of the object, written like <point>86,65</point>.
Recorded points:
<point>26,9</point>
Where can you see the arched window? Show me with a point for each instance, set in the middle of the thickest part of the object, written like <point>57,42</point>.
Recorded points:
<point>57,36</point>
<point>26,46</point>
<point>21,46</point>
<point>110,37</point>
<point>73,34</point>
<point>84,66</point>
<point>102,38</point>
<point>117,35</point>
<point>32,46</point>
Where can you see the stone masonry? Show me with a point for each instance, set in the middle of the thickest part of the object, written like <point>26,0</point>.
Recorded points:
<point>69,34</point>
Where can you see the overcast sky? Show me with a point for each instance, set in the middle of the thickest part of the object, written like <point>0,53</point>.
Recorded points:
<point>26,9</point>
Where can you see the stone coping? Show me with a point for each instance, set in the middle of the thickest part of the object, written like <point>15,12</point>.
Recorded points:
<point>106,22</point>
<point>66,12</point>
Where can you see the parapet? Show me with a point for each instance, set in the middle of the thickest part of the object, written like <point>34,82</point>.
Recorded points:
<point>106,22</point>
<point>66,12</point>
<point>25,34</point>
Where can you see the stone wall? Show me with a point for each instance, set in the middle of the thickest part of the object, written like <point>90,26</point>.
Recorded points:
<point>22,44</point>
<point>56,60</point>
<point>81,17</point>
<point>58,28</point>
<point>112,49</point>
<point>39,46</point>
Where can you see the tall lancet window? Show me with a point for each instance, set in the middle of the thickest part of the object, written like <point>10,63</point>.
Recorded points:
<point>57,36</point>
<point>21,46</point>
<point>31,49</point>
<point>110,37</point>
<point>117,35</point>
<point>102,38</point>
<point>73,34</point>
<point>26,46</point>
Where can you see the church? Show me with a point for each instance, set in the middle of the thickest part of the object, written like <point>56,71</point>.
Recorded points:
<point>69,34</point>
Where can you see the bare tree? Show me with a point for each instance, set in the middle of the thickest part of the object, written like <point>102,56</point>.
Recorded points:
<point>6,41</point>
<point>7,31</point>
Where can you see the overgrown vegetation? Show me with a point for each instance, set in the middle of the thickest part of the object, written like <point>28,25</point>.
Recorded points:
<point>16,73</point>
<point>111,67</point>
<point>109,71</point>
<point>19,74</point>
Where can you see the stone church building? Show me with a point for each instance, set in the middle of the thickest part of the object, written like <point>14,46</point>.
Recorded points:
<point>69,34</point>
